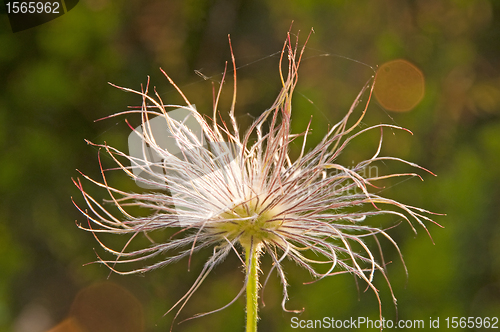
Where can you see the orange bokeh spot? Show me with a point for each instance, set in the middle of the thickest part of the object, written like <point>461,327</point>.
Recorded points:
<point>399,85</point>
<point>107,307</point>
<point>103,307</point>
<point>68,325</point>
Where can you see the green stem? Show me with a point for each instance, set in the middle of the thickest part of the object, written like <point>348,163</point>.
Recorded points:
<point>252,287</point>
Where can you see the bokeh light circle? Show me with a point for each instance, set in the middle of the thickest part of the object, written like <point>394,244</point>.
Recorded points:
<point>107,307</point>
<point>399,85</point>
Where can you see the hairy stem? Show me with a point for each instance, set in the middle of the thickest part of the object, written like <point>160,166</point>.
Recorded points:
<point>252,262</point>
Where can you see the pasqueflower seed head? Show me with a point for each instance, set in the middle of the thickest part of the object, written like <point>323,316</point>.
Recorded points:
<point>242,192</point>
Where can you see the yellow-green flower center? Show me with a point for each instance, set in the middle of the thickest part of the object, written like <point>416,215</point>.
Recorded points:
<point>250,222</point>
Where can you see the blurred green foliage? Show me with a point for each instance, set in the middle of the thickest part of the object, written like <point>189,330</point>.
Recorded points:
<point>54,85</point>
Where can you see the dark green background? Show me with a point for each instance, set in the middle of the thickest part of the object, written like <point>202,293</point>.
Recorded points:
<point>54,85</point>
